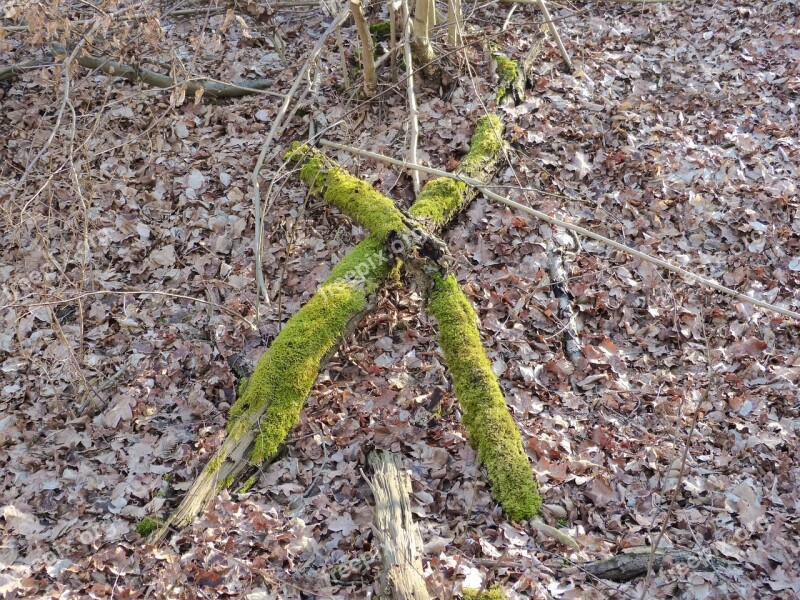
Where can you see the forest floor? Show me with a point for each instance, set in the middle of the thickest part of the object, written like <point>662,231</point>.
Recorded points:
<point>677,134</point>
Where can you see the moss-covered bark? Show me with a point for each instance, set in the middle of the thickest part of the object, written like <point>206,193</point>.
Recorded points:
<point>490,427</point>
<point>438,203</point>
<point>276,391</point>
<point>284,376</point>
<point>511,80</point>
<point>354,197</point>
<point>443,198</point>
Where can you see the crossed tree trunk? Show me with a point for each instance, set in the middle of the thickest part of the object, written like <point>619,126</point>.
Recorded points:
<point>271,403</point>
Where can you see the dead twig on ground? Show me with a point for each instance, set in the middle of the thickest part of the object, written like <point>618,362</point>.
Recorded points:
<point>571,227</point>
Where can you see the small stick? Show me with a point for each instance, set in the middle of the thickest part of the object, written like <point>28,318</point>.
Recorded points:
<point>393,38</point>
<point>571,227</point>
<point>367,60</point>
<point>508,18</point>
<point>276,124</point>
<point>543,7</point>
<point>412,99</point>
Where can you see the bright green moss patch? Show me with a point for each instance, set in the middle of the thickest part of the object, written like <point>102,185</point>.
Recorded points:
<point>494,593</point>
<point>443,198</point>
<point>215,463</point>
<point>367,263</point>
<point>507,74</point>
<point>245,487</point>
<point>225,483</point>
<point>380,31</point>
<point>439,201</point>
<point>490,427</point>
<point>148,525</point>
<point>485,147</point>
<point>354,197</point>
<point>242,387</point>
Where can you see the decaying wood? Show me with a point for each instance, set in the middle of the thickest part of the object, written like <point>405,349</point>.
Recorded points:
<point>632,563</point>
<point>532,57</point>
<point>551,26</point>
<point>399,540</point>
<point>210,89</point>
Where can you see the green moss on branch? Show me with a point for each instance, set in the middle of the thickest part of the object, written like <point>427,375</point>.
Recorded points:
<point>148,525</point>
<point>354,197</point>
<point>490,427</point>
<point>443,198</point>
<point>494,593</point>
<point>285,374</point>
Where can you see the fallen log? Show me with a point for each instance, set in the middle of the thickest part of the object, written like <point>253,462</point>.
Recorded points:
<point>490,427</point>
<point>210,89</point>
<point>632,563</point>
<point>283,377</point>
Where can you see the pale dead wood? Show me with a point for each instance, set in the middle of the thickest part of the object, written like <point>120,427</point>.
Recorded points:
<point>413,122</point>
<point>400,542</point>
<point>367,59</point>
<point>556,36</point>
<point>455,23</point>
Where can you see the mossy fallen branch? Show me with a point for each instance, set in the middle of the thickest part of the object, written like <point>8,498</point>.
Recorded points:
<point>276,391</point>
<point>490,427</point>
<point>283,377</point>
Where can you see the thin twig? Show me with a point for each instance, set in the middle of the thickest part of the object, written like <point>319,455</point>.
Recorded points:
<point>276,124</point>
<point>82,295</point>
<point>687,445</point>
<point>413,123</point>
<point>64,98</point>
<point>569,226</point>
